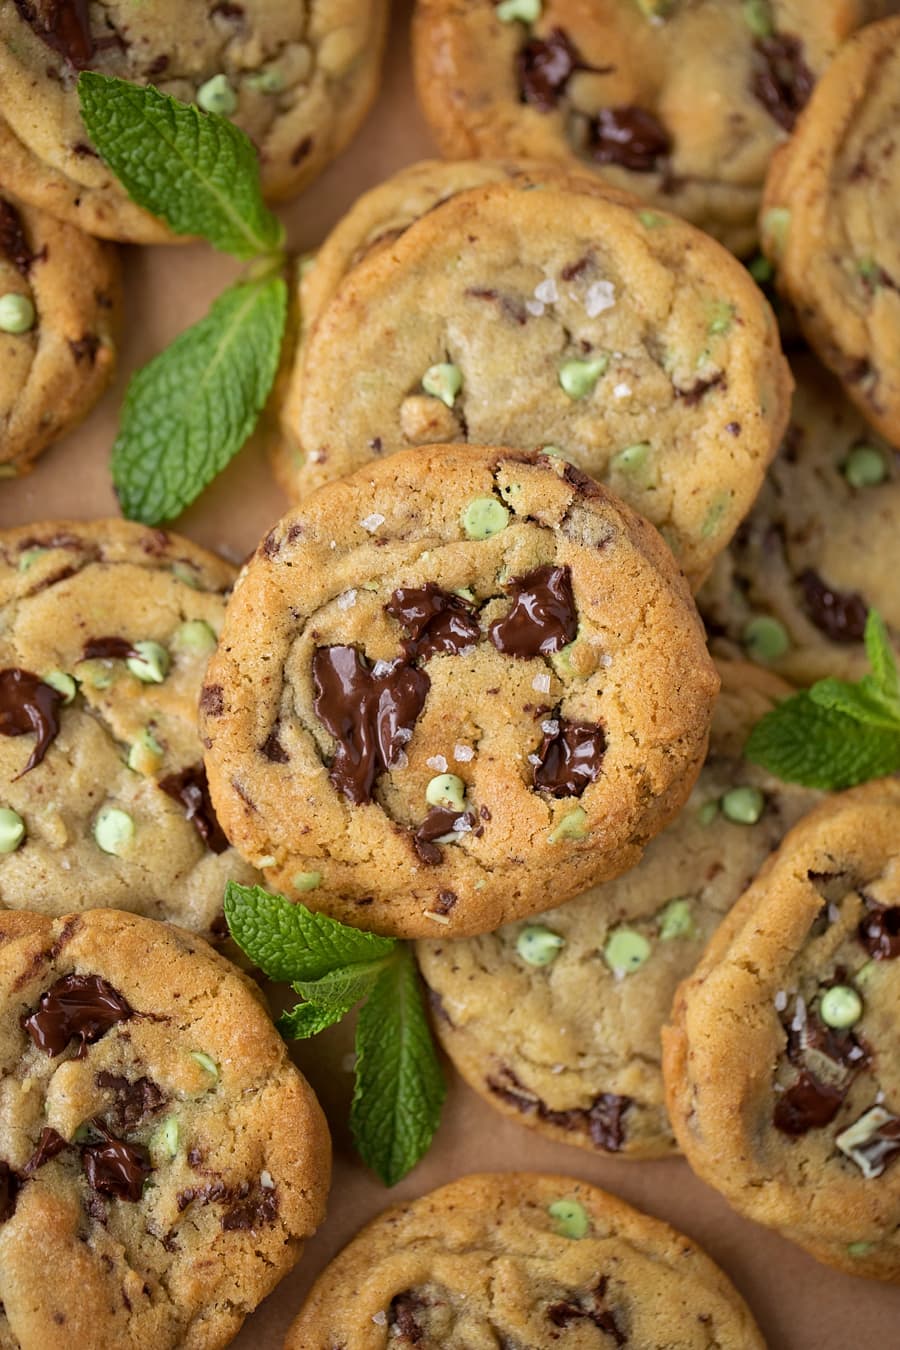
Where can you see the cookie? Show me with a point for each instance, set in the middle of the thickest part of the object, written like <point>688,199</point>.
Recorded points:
<point>557,1021</point>
<point>533,316</point>
<point>830,222</point>
<point>819,548</point>
<point>105,632</point>
<point>455,681</point>
<point>781,1068</point>
<point>297,78</point>
<point>59,325</point>
<point>680,101</point>
<point>161,1160</point>
<point>521,1259</point>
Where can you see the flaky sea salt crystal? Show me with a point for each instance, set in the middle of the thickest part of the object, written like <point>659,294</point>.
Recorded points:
<point>834,913</point>
<point>265,1180</point>
<point>541,683</point>
<point>550,728</point>
<point>798,1021</point>
<point>438,763</point>
<point>380,1318</point>
<point>601,295</point>
<point>535,308</point>
<point>780,1000</point>
<point>347,600</point>
<point>372,522</point>
<point>547,291</point>
<point>463,753</point>
<point>382,668</point>
<point>534,759</point>
<point>622,391</point>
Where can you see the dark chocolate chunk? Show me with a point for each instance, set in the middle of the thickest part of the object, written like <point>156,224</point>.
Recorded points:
<point>115,1168</point>
<point>191,789</point>
<point>604,1121</point>
<point>83,1007</point>
<point>544,67</point>
<point>841,1047</point>
<point>64,25</point>
<point>13,244</point>
<point>808,1104</point>
<point>879,932</point>
<point>29,705</point>
<point>403,1319</point>
<point>371,717</point>
<point>840,615</point>
<point>588,1307</point>
<point>436,824</point>
<point>699,389</point>
<point>542,618</point>
<point>9,1189</point>
<point>273,749</point>
<point>108,649</point>
<point>782,81</point>
<point>134,1100</point>
<point>259,1208</point>
<point>212,700</point>
<point>436,620</point>
<point>85,348</point>
<point>48,1146</point>
<point>631,137</point>
<point>570,758</point>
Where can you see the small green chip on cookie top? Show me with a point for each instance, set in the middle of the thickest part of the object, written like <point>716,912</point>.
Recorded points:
<point>454,683</point>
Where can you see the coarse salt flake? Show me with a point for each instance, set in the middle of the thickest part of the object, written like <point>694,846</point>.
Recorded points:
<point>265,1180</point>
<point>547,291</point>
<point>541,683</point>
<point>372,522</point>
<point>463,753</point>
<point>601,295</point>
<point>535,308</point>
<point>380,1318</point>
<point>438,763</point>
<point>798,1021</point>
<point>622,391</point>
<point>347,600</point>
<point>550,728</point>
<point>780,1000</point>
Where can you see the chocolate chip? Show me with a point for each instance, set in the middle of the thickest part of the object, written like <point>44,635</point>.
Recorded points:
<point>257,1210</point>
<point>808,1104</point>
<point>301,150</point>
<point>840,615</point>
<point>108,649</point>
<point>81,1007</point>
<point>371,717</point>
<point>840,1046</point>
<point>436,620</point>
<point>9,1189</point>
<point>13,244</point>
<point>114,1167</point>
<point>587,486</point>
<point>544,67</point>
<point>879,932</point>
<point>573,270</point>
<point>274,750</point>
<point>85,348</point>
<point>513,309</point>
<point>436,824</point>
<point>542,618</point>
<point>603,1121</point>
<point>588,1307</point>
<point>570,758</point>
<point>212,700</point>
<point>606,1120</point>
<point>631,137</point>
<point>48,1146</point>
<point>698,390</point>
<point>157,66</point>
<point>29,705</point>
<point>134,1101</point>
<point>403,1319</point>
<point>64,25</point>
<point>191,789</point>
<point>782,81</point>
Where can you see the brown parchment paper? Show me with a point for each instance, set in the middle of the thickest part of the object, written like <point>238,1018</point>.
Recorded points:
<point>800,1305</point>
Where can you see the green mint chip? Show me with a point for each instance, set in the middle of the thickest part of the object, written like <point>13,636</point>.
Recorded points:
<point>195,170</point>
<point>191,409</point>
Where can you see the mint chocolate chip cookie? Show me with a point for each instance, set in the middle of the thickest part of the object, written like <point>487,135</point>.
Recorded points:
<point>454,683</point>
<point>556,1020</point>
<point>521,1260</point>
<point>105,632</point>
<point>818,550</point>
<point>680,101</point>
<point>830,223</point>
<point>297,78</point>
<point>161,1160</point>
<point>539,314</point>
<point>781,1061</point>
<point>59,322</point>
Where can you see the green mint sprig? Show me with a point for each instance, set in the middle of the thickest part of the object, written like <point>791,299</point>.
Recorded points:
<point>837,733</point>
<point>399,1086</point>
<point>189,411</point>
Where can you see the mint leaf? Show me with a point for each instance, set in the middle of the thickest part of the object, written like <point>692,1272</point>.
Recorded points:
<point>290,942</point>
<point>864,701</point>
<point>343,987</point>
<point>801,741</point>
<point>191,409</point>
<point>195,170</point>
<point>308,1019</point>
<point>400,1087</point>
<point>881,657</point>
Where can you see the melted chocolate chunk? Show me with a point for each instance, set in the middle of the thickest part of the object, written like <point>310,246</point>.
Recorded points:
<point>64,25</point>
<point>588,1307</point>
<point>630,137</point>
<point>402,1317</point>
<point>808,1104</point>
<point>191,789</point>
<point>13,244</point>
<point>571,758</point>
<point>371,717</point>
<point>542,618</point>
<point>435,620</point>
<point>879,932</point>
<point>29,705</point>
<point>436,824</point>
<point>76,1006</point>
<point>604,1121</point>
<point>840,615</point>
<point>544,67</point>
<point>115,1168</point>
<point>841,1047</point>
<point>783,81</point>
<point>134,1101</point>
<point>108,649</point>
<point>9,1189</point>
<point>48,1146</point>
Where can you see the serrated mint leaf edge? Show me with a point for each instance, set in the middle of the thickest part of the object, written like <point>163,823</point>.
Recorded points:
<point>784,743</point>
<point>305,1020</point>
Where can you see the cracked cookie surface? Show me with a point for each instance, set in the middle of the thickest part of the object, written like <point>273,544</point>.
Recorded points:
<point>59,326</point>
<point>525,1261</point>
<point>297,78</point>
<point>557,1020</point>
<point>161,1159</point>
<point>781,1067</point>
<point>680,101</point>
<point>819,548</point>
<point>547,315</point>
<point>451,685</point>
<point>831,222</point>
<point>105,632</point>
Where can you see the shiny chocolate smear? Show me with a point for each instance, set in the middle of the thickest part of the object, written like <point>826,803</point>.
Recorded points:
<point>115,1168</point>
<point>807,1105</point>
<point>630,137</point>
<point>64,25</point>
<point>83,1007</point>
<point>783,81</point>
<point>371,717</point>
<point>436,824</point>
<point>570,758</point>
<point>29,705</point>
<point>9,1189</point>
<point>48,1146</point>
<point>191,789</point>
<point>108,649</point>
<point>879,932</point>
<point>544,67</point>
<point>840,615</point>
<point>542,618</point>
<point>436,621</point>
<point>13,244</point>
